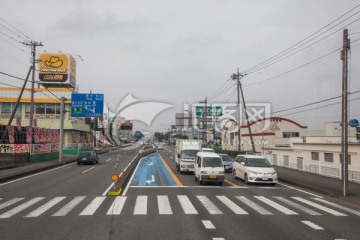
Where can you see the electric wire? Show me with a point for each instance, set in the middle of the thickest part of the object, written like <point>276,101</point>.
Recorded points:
<point>289,49</point>
<point>17,29</point>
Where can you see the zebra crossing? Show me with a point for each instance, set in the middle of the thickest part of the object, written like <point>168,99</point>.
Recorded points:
<point>213,205</point>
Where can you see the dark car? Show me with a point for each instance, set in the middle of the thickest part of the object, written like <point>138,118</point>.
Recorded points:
<point>227,161</point>
<point>87,157</point>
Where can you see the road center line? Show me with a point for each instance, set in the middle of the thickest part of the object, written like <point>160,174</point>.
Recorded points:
<point>88,169</point>
<point>109,160</point>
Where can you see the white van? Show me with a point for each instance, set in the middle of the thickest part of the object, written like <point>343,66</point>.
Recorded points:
<point>209,168</point>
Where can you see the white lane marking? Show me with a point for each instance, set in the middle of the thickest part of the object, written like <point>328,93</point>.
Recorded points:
<point>254,206</point>
<point>117,206</point>
<point>186,205</point>
<point>212,209</point>
<point>230,204</point>
<point>312,225</point>
<point>88,169</point>
<point>132,176</point>
<point>10,202</point>
<point>37,212</point>
<point>141,205</point>
<point>208,224</point>
<point>297,189</point>
<point>92,207</point>
<point>164,205</point>
<point>218,238</point>
<point>36,174</point>
<point>349,210</point>
<point>109,160</point>
<point>108,189</point>
<point>298,206</point>
<point>325,209</point>
<point>217,187</point>
<point>68,207</point>
<point>276,205</point>
<point>21,207</point>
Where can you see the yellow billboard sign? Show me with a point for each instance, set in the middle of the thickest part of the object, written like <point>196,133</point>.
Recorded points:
<point>54,67</point>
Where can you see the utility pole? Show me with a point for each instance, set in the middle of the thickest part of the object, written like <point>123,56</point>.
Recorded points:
<point>16,106</point>
<point>204,120</point>
<point>33,54</point>
<point>62,117</point>
<point>344,122</point>
<point>237,78</point>
<point>247,119</point>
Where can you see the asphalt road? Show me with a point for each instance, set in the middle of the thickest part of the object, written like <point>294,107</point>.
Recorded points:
<point>160,203</point>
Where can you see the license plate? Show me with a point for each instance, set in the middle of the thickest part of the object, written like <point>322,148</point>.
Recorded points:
<point>212,176</point>
<point>265,178</point>
<point>84,159</point>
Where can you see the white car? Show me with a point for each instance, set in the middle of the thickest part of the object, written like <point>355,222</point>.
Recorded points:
<point>207,150</point>
<point>209,168</point>
<point>160,147</point>
<point>254,169</point>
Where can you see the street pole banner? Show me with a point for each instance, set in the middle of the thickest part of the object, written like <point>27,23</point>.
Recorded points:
<point>18,123</point>
<point>11,134</point>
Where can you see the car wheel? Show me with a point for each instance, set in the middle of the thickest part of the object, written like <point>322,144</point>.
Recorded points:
<point>196,178</point>
<point>78,163</point>
<point>181,172</point>
<point>220,183</point>
<point>272,184</point>
<point>234,174</point>
<point>246,179</point>
<point>177,168</point>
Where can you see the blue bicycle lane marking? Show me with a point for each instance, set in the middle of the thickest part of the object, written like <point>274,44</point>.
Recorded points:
<point>152,172</point>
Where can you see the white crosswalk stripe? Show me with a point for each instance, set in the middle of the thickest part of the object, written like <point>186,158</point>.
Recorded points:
<point>92,207</point>
<point>338,206</point>
<point>164,205</point>
<point>276,205</point>
<point>230,204</point>
<point>186,205</point>
<point>45,207</point>
<point>254,206</point>
<point>68,207</point>
<point>214,206</point>
<point>117,206</point>
<point>141,205</point>
<point>10,202</point>
<point>21,207</point>
<point>298,206</point>
<point>212,209</point>
<point>323,208</point>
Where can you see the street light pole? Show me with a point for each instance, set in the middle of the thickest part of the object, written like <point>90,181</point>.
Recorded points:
<point>62,117</point>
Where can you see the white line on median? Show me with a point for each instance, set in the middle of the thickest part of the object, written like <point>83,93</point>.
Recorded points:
<point>88,169</point>
<point>33,175</point>
<point>109,159</point>
<point>132,176</point>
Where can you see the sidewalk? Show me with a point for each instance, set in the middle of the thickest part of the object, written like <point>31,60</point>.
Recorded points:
<point>319,184</point>
<point>8,174</point>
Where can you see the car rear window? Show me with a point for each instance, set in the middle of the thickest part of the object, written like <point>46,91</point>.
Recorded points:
<point>85,154</point>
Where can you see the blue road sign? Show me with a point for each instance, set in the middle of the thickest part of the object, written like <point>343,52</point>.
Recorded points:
<point>354,123</point>
<point>87,105</point>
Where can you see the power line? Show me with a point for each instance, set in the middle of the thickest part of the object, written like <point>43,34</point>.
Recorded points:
<point>313,103</point>
<point>12,32</point>
<point>219,88</point>
<point>301,66</point>
<point>289,49</point>
<point>17,29</point>
<point>11,37</point>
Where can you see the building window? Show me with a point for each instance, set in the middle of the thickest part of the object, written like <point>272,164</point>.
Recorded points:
<point>329,157</point>
<point>57,109</point>
<point>349,159</point>
<point>315,156</point>
<point>290,134</point>
<point>232,138</point>
<point>6,108</point>
<point>274,159</point>
<point>50,108</point>
<point>40,108</point>
<point>286,161</point>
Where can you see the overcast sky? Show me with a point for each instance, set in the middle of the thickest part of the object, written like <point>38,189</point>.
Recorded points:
<point>180,51</point>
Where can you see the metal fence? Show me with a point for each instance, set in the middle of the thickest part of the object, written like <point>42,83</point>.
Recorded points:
<point>322,168</point>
